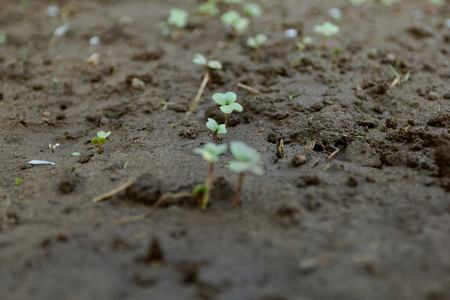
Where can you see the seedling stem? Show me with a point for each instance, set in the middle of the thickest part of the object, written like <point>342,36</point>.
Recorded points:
<point>237,196</point>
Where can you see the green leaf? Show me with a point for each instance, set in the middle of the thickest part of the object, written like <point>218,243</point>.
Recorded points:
<point>101,140</point>
<point>211,152</point>
<point>198,190</point>
<point>394,72</point>
<point>178,17</point>
<point>221,129</point>
<point>94,141</point>
<point>76,153</point>
<point>239,166</point>
<point>230,97</point>
<point>200,60</point>
<point>242,152</point>
<point>252,9</point>
<point>241,25</point>
<point>257,170</point>
<point>212,124</point>
<point>230,17</point>
<point>237,107</point>
<point>18,180</point>
<point>219,98</point>
<point>215,65</point>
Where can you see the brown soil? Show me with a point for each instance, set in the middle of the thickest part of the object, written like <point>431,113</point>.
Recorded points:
<point>371,222</point>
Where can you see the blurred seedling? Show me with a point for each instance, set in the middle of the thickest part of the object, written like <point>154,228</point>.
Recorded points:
<point>336,53</point>
<point>18,180</point>
<point>209,8</point>
<point>177,19</point>
<point>252,9</point>
<point>247,160</point>
<point>302,45</point>
<point>326,29</point>
<point>397,79</point>
<point>201,60</point>
<point>216,128</point>
<point>100,139</point>
<point>227,104</point>
<point>53,147</point>
<point>210,152</point>
<point>256,42</point>
<point>237,23</point>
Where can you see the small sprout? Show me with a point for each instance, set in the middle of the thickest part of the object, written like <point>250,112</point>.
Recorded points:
<point>252,9</point>
<point>18,180</point>
<point>55,80</point>
<point>234,19</point>
<point>209,8</point>
<point>358,136</point>
<point>125,165</point>
<point>227,103</point>
<point>76,154</point>
<point>397,79</point>
<point>178,17</point>
<point>53,147</point>
<point>327,29</point>
<point>327,166</point>
<point>201,60</point>
<point>173,125</point>
<point>62,30</point>
<point>100,139</point>
<point>217,129</point>
<point>407,127</point>
<point>256,42</point>
<point>247,160</point>
<point>210,152</point>
<point>301,45</point>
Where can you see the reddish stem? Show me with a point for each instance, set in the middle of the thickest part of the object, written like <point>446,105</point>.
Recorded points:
<point>239,190</point>
<point>99,148</point>
<point>214,141</point>
<point>226,119</point>
<point>208,187</point>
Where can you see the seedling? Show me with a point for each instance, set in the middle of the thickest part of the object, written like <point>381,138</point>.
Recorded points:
<point>100,139</point>
<point>201,60</point>
<point>217,129</point>
<point>256,42</point>
<point>209,8</point>
<point>227,104</point>
<point>252,9</point>
<point>247,160</point>
<point>177,18</point>
<point>210,152</point>
<point>18,180</point>
<point>301,45</point>
<point>3,38</point>
<point>397,79</point>
<point>327,29</point>
<point>233,18</point>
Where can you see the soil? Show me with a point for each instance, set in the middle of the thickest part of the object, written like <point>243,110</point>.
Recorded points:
<point>371,221</point>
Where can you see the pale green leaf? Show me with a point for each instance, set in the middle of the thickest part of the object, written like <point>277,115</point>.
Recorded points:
<point>239,166</point>
<point>221,129</point>
<point>215,65</point>
<point>200,60</point>
<point>219,98</point>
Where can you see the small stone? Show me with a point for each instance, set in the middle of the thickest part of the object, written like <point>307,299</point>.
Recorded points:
<point>308,265</point>
<point>137,84</point>
<point>46,114</point>
<point>298,159</point>
<point>125,21</point>
<point>93,60</point>
<point>95,40</point>
<point>433,96</point>
<point>429,181</point>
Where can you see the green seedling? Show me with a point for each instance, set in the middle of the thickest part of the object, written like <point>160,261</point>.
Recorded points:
<point>336,53</point>
<point>201,60</point>
<point>252,9</point>
<point>3,38</point>
<point>301,45</point>
<point>407,127</point>
<point>100,139</point>
<point>217,129</point>
<point>209,8</point>
<point>256,42</point>
<point>326,29</point>
<point>247,160</point>
<point>18,180</point>
<point>210,152</point>
<point>233,18</point>
<point>227,104</point>
<point>178,19</point>
<point>388,2</point>
<point>397,79</point>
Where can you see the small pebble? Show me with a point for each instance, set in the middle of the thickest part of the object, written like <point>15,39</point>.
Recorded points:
<point>308,265</point>
<point>298,159</point>
<point>335,13</point>
<point>52,11</point>
<point>95,40</point>
<point>291,33</point>
<point>137,84</point>
<point>433,96</point>
<point>125,20</point>
<point>93,59</point>
<point>429,181</point>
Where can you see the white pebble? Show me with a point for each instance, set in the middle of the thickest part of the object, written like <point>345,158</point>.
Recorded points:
<point>52,11</point>
<point>291,33</point>
<point>335,13</point>
<point>93,59</point>
<point>125,20</point>
<point>137,84</point>
<point>94,40</point>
